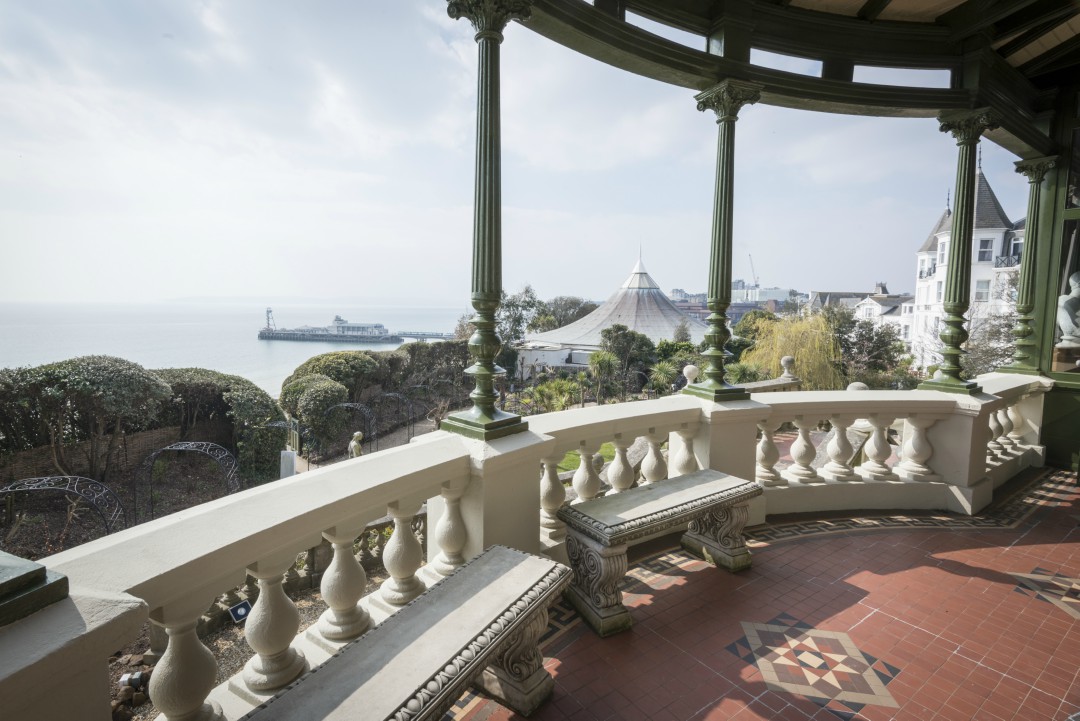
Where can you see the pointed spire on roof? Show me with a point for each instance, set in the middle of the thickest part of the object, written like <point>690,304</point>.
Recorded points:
<point>988,210</point>
<point>640,278</point>
<point>948,198</point>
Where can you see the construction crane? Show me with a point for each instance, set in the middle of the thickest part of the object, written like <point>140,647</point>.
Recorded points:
<point>753,272</point>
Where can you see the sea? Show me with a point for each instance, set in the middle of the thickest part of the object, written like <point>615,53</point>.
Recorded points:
<point>221,336</point>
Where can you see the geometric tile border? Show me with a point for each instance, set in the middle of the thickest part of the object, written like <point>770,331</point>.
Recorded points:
<point>1062,591</point>
<point>824,666</point>
<point>1034,489</point>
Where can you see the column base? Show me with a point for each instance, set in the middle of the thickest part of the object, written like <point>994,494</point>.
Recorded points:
<point>948,385</point>
<point>709,551</point>
<point>524,696</point>
<point>717,393</point>
<point>473,424</point>
<point>605,621</point>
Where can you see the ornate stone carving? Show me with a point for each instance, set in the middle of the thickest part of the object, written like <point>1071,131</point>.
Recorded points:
<point>643,526</point>
<point>1036,169</point>
<point>520,658</point>
<point>489,16</point>
<point>597,571</point>
<point>729,523</point>
<point>968,127</point>
<point>726,99</point>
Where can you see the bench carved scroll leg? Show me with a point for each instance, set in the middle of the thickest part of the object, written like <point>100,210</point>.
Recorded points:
<point>517,676</point>
<point>718,538</point>
<point>595,593</point>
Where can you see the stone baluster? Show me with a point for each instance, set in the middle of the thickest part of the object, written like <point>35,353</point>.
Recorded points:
<point>840,452</point>
<point>994,449</point>
<point>654,467</point>
<point>402,558</point>
<point>803,453</point>
<point>552,498</point>
<point>917,451</point>
<point>684,460</point>
<point>768,455</point>
<point>185,675</point>
<point>1019,424</point>
<point>878,450</point>
<point>620,473</point>
<point>450,532</point>
<point>1005,439</point>
<point>586,479</point>
<point>271,628</point>
<point>342,586</point>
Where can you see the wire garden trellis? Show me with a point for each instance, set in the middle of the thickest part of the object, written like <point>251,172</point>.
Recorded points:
<point>225,460</point>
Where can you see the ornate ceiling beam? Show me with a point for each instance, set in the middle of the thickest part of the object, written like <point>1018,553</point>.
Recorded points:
<point>1057,58</point>
<point>975,16</point>
<point>872,8</point>
<point>987,79</point>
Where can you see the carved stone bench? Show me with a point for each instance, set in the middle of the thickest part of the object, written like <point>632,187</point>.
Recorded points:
<point>712,504</point>
<point>479,625</point>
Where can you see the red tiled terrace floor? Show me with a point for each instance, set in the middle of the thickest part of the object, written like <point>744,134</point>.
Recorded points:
<point>916,617</point>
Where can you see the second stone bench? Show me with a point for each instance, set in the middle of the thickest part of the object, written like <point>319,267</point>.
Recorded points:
<point>712,506</point>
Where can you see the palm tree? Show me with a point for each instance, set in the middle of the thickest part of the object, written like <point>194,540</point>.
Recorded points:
<point>662,375</point>
<point>603,365</point>
<point>581,379</point>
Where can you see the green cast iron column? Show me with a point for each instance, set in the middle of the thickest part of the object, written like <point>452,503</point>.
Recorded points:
<point>1026,349</point>
<point>484,421</point>
<point>966,127</point>
<point>725,99</point>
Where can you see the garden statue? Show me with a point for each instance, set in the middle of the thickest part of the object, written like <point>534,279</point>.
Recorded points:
<point>1068,314</point>
<point>356,447</point>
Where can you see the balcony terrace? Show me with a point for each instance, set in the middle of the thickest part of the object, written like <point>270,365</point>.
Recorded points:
<point>929,596</point>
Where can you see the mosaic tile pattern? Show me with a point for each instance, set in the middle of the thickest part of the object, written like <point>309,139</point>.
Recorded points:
<point>824,666</point>
<point>1062,591</point>
<point>1034,489</point>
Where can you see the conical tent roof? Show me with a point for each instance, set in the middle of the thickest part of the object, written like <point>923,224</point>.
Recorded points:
<point>639,304</point>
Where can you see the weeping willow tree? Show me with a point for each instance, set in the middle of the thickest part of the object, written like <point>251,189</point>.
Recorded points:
<point>810,340</point>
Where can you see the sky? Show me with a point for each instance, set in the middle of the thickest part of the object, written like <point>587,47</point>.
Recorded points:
<point>251,150</point>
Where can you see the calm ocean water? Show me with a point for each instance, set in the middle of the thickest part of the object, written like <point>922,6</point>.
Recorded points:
<point>219,336</point>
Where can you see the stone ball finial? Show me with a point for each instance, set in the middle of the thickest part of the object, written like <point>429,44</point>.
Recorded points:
<point>691,372</point>
<point>858,386</point>
<point>788,364</point>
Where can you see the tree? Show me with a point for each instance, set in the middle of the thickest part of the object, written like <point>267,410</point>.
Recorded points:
<point>870,353</point>
<point>94,399</point>
<point>810,340</point>
<point>634,351</point>
<point>566,309</point>
<point>662,375</point>
<point>682,332</point>
<point>603,365</point>
<point>515,313</point>
<point>354,369</point>
<point>463,329</point>
<point>751,323</point>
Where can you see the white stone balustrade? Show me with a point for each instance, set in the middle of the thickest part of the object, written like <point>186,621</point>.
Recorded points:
<point>840,452</point>
<point>654,465</point>
<point>552,498</point>
<point>803,452</point>
<point>270,629</point>
<point>185,674</point>
<point>878,450</point>
<point>342,586</point>
<point>767,455</point>
<point>451,533</point>
<point>187,559</point>
<point>586,480</point>
<point>402,557</point>
<point>620,473</point>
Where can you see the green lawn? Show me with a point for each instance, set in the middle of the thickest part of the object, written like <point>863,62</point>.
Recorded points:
<point>572,460</point>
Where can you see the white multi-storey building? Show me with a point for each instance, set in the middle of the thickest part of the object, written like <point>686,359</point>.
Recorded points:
<point>997,244</point>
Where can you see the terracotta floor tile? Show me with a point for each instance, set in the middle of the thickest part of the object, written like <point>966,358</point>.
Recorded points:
<point>933,610</point>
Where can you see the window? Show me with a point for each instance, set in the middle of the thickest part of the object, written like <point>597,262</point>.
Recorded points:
<point>1016,247</point>
<point>986,250</point>
<point>906,331</point>
<point>942,252</point>
<point>867,312</point>
<point>940,290</point>
<point>982,290</point>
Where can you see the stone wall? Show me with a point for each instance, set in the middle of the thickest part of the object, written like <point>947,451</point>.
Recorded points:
<point>130,452</point>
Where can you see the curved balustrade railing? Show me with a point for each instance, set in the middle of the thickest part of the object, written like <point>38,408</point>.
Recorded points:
<point>918,449</point>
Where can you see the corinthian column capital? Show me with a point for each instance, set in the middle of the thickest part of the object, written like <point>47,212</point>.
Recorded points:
<point>1035,169</point>
<point>969,125</point>
<point>727,98</point>
<point>489,16</point>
